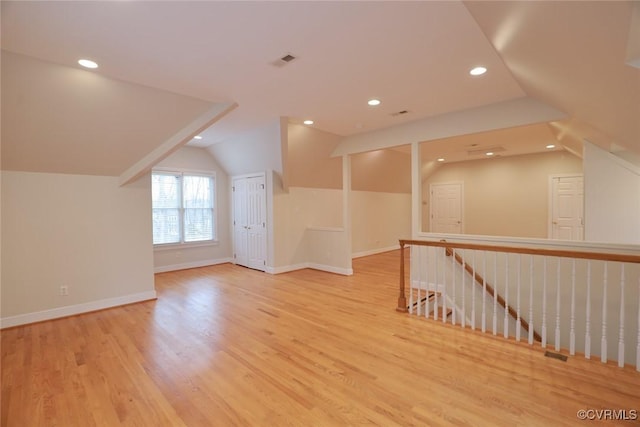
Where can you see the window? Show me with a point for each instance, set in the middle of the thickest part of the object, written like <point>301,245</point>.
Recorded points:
<point>183,207</point>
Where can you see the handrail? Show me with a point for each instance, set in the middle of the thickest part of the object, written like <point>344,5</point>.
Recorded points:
<point>491,291</point>
<point>602,256</point>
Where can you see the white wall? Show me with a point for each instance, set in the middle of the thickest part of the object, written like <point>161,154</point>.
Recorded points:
<point>84,232</point>
<point>612,198</point>
<point>379,220</point>
<point>298,214</point>
<point>309,229</point>
<point>167,259</point>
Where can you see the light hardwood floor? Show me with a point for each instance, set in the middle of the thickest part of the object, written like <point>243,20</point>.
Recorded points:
<point>226,346</point>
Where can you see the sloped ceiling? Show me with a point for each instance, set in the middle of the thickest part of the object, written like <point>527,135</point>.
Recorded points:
<point>414,56</point>
<point>66,120</point>
<point>572,55</point>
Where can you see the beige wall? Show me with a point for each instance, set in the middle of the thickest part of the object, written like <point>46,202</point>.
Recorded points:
<point>309,164</point>
<point>387,171</point>
<point>83,232</point>
<point>504,196</point>
<point>256,151</point>
<point>308,216</point>
<point>199,159</point>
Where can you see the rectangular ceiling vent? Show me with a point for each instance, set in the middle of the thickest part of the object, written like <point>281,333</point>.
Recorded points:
<point>284,60</point>
<point>399,113</point>
<point>485,150</point>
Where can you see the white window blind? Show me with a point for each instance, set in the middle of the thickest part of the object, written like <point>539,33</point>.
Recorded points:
<point>183,207</point>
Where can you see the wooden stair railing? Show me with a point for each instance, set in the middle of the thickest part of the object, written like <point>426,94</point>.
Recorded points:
<point>491,291</point>
<point>428,298</point>
<point>604,290</point>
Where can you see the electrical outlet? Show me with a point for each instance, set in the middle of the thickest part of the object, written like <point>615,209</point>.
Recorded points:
<point>64,290</point>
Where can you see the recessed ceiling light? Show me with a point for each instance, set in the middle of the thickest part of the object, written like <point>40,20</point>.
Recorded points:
<point>551,146</point>
<point>197,137</point>
<point>489,153</point>
<point>478,71</point>
<point>87,63</point>
<point>308,122</point>
<point>441,159</point>
<point>374,102</point>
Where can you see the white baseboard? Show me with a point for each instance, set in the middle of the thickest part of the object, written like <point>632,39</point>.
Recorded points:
<point>375,251</point>
<point>301,266</point>
<point>287,268</point>
<point>72,310</point>
<point>331,269</point>
<point>193,264</point>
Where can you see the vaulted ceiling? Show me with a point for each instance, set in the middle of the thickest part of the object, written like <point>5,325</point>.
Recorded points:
<point>161,64</point>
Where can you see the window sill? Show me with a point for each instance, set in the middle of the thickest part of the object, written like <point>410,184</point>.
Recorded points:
<point>174,246</point>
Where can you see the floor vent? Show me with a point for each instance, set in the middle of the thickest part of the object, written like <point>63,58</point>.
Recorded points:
<point>555,355</point>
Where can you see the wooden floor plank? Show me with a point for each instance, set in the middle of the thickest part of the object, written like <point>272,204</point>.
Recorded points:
<point>227,346</point>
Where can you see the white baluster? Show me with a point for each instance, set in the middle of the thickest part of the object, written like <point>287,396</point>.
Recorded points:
<point>495,293</point>
<point>415,265</point>
<point>424,254</point>
<point>603,342</point>
<point>425,277</point>
<point>473,292</point>
<point>572,332</point>
<point>621,330</point>
<point>463,321</point>
<point>587,333</point>
<point>638,337</point>
<point>453,284</point>
<point>531,300</point>
<point>444,285</point>
<point>544,302</point>
<point>435,295</point>
<point>557,335</point>
<point>484,292</point>
<point>518,321</point>
<point>505,331</point>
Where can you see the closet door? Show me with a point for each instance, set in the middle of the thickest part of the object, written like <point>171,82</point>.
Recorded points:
<point>250,221</point>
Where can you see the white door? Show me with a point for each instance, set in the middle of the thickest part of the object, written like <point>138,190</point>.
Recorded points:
<point>567,208</point>
<point>250,221</point>
<point>446,208</point>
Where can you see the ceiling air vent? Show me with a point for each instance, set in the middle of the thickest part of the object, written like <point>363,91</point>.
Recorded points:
<point>485,150</point>
<point>282,61</point>
<point>399,113</point>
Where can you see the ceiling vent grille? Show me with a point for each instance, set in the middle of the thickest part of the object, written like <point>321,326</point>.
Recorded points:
<point>484,151</point>
<point>399,113</point>
<point>284,60</point>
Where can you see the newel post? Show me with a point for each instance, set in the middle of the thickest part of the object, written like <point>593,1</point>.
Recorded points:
<point>402,298</point>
